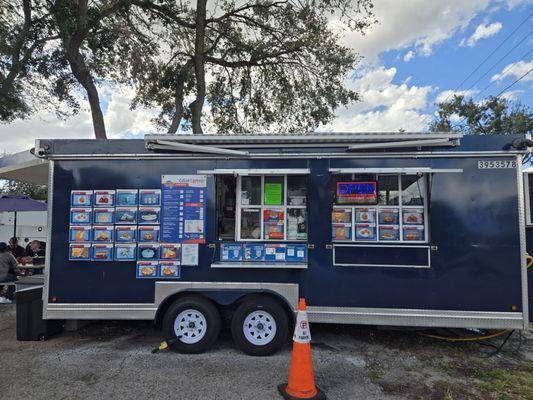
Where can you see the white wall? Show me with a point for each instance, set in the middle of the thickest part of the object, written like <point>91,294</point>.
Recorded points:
<point>30,226</point>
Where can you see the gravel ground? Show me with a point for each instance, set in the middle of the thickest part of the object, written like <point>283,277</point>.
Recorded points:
<point>113,360</point>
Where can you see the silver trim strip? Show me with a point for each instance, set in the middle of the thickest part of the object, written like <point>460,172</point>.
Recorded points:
<point>407,170</point>
<point>523,246</point>
<point>426,142</point>
<point>256,171</point>
<point>416,317</point>
<point>166,156</point>
<point>48,254</point>
<point>258,265</point>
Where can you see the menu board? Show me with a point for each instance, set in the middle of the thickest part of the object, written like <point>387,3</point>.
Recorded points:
<point>183,208</point>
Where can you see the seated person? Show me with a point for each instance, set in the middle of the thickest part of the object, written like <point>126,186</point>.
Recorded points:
<point>8,263</point>
<point>34,255</point>
<point>15,249</point>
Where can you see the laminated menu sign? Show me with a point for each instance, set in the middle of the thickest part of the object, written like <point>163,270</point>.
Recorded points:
<point>275,252</point>
<point>104,198</point>
<point>104,215</point>
<point>147,269</point>
<point>102,252</point>
<point>148,251</point>
<point>415,233</point>
<point>170,251</point>
<point>169,269</point>
<point>254,252</point>
<point>230,252</point>
<point>103,234</point>
<point>126,252</point>
<point>189,254</point>
<point>150,197</point>
<point>148,233</point>
<point>126,215</point>
<point>365,231</point>
<point>81,198</point>
<point>80,234</point>
<point>127,197</point>
<point>149,215</point>
<point>296,253</point>
<point>80,215</point>
<point>125,234</point>
<point>183,208</point>
<point>79,252</point>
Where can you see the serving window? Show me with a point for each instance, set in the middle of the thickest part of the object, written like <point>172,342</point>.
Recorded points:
<point>380,208</point>
<point>262,207</point>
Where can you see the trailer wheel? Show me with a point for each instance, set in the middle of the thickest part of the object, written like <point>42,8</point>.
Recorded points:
<point>260,326</point>
<point>195,320</point>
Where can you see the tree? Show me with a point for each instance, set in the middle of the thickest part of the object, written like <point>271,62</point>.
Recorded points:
<point>494,116</point>
<point>258,65</point>
<point>37,192</point>
<point>25,30</point>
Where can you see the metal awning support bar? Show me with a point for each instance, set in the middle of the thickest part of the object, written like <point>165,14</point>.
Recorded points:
<point>405,143</point>
<point>405,171</point>
<point>267,171</point>
<point>194,148</point>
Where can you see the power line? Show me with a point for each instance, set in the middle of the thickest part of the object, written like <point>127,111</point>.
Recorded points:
<point>506,71</point>
<point>489,56</point>
<point>499,60</point>
<point>515,82</point>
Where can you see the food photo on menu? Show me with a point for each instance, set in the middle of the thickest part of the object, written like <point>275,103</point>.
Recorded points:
<point>127,197</point>
<point>169,269</point>
<point>149,197</point>
<point>104,215</point>
<point>80,234</point>
<point>365,231</point>
<point>170,251</point>
<point>103,234</point>
<point>80,215</point>
<point>102,252</point>
<point>389,233</point>
<point>126,215</point>
<point>413,216</point>
<point>104,198</point>
<point>148,233</point>
<point>126,252</point>
<point>81,198</point>
<point>147,269</point>
<point>148,251</point>
<point>149,215</point>
<point>125,234</point>
<point>367,215</point>
<point>341,232</point>
<point>79,252</point>
<point>389,216</point>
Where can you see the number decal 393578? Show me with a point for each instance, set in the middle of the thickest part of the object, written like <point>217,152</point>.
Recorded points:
<point>491,164</point>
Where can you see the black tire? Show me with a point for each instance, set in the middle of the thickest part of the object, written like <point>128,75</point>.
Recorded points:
<point>205,308</point>
<point>260,304</point>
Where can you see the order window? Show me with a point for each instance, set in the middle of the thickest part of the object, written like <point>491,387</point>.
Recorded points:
<point>272,208</point>
<point>380,208</point>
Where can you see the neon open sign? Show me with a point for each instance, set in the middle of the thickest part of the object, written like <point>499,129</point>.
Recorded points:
<point>357,192</point>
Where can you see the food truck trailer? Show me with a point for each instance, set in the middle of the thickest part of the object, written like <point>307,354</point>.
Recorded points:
<point>194,231</point>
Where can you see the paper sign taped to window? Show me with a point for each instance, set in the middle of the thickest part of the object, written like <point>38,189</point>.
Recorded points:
<point>273,194</point>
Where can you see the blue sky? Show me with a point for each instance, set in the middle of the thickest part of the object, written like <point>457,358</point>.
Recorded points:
<point>453,61</point>
<point>419,51</point>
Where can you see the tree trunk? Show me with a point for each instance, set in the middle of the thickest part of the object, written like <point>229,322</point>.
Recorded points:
<point>179,96</point>
<point>199,67</point>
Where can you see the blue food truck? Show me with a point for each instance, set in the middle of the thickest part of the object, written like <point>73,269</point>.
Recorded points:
<point>194,231</point>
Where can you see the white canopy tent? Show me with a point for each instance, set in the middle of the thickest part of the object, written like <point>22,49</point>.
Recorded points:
<point>25,167</point>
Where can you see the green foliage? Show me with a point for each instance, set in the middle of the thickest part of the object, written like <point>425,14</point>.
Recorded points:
<point>507,384</point>
<point>37,192</point>
<point>494,116</point>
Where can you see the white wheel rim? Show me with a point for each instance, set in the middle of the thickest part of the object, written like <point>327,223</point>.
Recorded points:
<point>259,328</point>
<point>191,325</point>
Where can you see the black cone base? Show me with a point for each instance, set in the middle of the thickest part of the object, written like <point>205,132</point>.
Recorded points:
<point>320,395</point>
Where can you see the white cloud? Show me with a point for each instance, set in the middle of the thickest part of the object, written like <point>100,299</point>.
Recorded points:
<point>446,95</point>
<point>121,122</point>
<point>409,56</point>
<point>511,94</point>
<point>514,3</point>
<point>516,69</point>
<point>384,105</point>
<point>419,23</point>
<point>482,32</point>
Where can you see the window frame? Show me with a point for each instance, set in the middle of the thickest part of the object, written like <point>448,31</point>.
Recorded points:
<point>400,207</point>
<point>527,198</point>
<point>262,207</point>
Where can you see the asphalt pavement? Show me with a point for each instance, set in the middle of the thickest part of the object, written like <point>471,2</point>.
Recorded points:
<point>113,360</point>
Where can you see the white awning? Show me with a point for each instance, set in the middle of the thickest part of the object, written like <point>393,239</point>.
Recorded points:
<point>256,171</point>
<point>404,171</point>
<point>24,167</point>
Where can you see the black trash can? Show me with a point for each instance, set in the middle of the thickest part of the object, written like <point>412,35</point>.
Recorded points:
<point>30,322</point>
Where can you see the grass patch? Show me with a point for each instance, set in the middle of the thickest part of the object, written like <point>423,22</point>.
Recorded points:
<point>507,384</point>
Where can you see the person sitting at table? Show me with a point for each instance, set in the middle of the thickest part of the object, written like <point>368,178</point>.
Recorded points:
<point>15,249</point>
<point>34,255</point>
<point>8,263</point>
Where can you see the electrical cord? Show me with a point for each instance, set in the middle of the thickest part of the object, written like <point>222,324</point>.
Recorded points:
<point>472,339</point>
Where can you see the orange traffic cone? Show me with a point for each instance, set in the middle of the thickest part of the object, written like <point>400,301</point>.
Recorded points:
<point>301,377</point>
